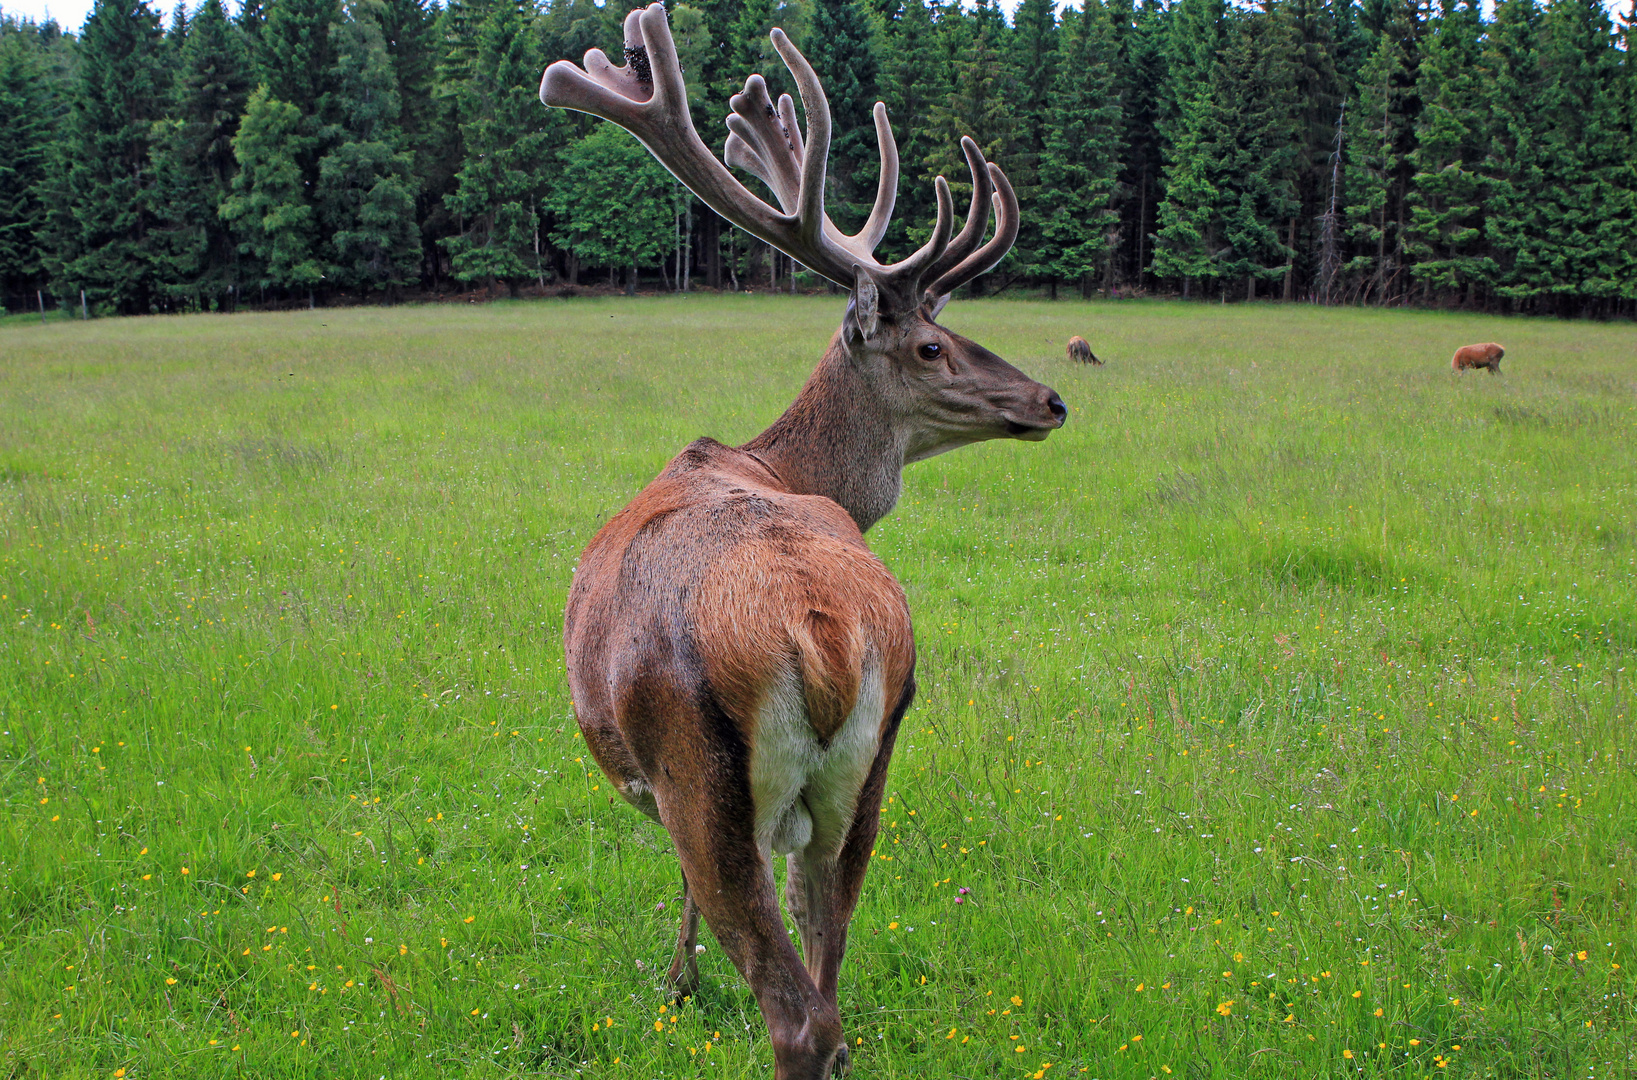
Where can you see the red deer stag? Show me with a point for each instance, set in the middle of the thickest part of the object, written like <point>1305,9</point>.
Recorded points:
<point>1080,352</point>
<point>1478,356</point>
<point>739,661</point>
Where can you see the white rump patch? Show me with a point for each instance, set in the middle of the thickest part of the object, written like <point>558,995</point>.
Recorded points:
<point>805,793</point>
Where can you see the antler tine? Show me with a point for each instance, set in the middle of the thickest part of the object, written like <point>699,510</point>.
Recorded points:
<point>1007,219</point>
<point>757,145</point>
<point>816,155</point>
<point>886,191</point>
<point>977,217</point>
<point>914,268</point>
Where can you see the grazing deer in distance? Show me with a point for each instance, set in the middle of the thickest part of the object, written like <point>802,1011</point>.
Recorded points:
<point>1487,355</point>
<point>1080,351</point>
<point>739,661</point>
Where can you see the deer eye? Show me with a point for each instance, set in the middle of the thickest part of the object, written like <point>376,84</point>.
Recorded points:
<point>931,350</point>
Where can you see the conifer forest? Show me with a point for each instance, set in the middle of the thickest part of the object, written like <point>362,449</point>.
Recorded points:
<point>301,152</point>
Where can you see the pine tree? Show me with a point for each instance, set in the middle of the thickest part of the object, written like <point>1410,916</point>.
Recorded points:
<point>366,190</point>
<point>104,204</point>
<point>841,48</point>
<point>509,166</point>
<point>25,145</point>
<point>270,210</point>
<point>1082,154</point>
<point>193,158</point>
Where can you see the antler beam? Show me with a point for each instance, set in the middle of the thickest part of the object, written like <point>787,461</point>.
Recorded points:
<point>647,98</point>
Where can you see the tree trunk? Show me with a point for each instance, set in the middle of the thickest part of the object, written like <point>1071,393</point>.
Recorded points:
<point>1290,267</point>
<point>1250,287</point>
<point>711,237</point>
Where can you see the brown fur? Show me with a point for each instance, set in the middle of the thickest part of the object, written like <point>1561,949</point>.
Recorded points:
<point>1080,352</point>
<point>1478,356</point>
<point>736,567</point>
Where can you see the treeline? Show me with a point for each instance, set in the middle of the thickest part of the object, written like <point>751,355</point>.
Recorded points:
<point>1337,151</point>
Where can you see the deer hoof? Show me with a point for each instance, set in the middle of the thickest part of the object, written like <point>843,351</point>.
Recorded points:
<point>683,980</point>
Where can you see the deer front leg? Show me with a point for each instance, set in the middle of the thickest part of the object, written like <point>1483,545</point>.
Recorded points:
<point>683,977</point>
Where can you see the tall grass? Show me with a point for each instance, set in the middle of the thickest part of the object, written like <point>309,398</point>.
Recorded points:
<point>1273,719</point>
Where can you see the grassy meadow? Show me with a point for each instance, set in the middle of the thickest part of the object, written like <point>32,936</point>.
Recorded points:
<point>1274,719</point>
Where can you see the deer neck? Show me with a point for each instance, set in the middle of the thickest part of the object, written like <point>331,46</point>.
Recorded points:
<point>837,440</point>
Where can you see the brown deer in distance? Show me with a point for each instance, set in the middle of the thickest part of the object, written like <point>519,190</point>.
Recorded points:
<point>739,661</point>
<point>1080,352</point>
<point>1487,355</point>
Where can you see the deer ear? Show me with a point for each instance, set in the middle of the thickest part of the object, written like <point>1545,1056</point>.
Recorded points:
<point>935,305</point>
<point>864,311</point>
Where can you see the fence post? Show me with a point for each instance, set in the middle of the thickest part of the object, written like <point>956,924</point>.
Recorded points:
<point>40,296</point>
<point>84,315</point>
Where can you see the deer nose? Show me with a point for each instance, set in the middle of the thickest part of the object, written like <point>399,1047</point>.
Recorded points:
<point>1059,410</point>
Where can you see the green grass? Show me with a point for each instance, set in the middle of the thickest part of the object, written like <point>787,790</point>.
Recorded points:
<point>1276,709</point>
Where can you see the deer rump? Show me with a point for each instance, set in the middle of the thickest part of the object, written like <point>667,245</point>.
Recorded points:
<point>1487,355</point>
<point>769,632</point>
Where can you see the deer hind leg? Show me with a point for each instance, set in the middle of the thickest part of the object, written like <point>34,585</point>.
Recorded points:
<point>833,884</point>
<point>683,978</point>
<point>732,886</point>
<point>730,882</point>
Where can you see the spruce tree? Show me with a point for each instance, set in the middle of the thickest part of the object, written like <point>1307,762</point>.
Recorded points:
<point>509,142</point>
<point>1588,208</point>
<point>366,188</point>
<point>1314,26</point>
<point>193,158</point>
<point>1259,128</point>
<point>1033,62</point>
<point>103,213</point>
<point>1380,139</point>
<point>297,59</point>
<point>911,79</point>
<point>977,105</point>
<point>410,28</point>
<point>1140,34</point>
<point>270,210</point>
<point>1082,154</point>
<point>1445,236</point>
<point>1187,242</point>
<point>1515,175</point>
<point>25,145</point>
<point>841,48</point>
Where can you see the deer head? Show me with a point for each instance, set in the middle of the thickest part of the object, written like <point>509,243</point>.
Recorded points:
<point>964,392</point>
